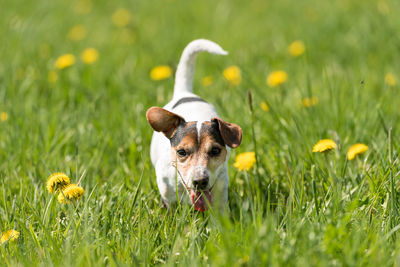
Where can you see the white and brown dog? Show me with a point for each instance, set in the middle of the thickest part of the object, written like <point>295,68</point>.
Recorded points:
<point>190,145</point>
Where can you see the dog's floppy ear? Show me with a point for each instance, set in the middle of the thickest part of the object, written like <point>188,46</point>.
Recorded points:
<point>230,132</point>
<point>162,120</point>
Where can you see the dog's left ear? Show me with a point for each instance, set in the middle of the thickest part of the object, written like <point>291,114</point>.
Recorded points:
<point>230,132</point>
<point>162,120</point>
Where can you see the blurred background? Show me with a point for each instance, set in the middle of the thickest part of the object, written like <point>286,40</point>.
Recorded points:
<point>133,36</point>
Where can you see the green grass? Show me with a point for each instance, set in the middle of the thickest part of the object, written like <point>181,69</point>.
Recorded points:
<point>297,208</point>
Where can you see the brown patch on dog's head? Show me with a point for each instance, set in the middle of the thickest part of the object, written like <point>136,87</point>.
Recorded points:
<point>212,146</point>
<point>187,131</point>
<point>184,145</point>
<point>162,120</point>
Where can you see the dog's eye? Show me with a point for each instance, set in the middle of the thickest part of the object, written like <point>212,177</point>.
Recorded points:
<point>215,151</point>
<point>181,152</point>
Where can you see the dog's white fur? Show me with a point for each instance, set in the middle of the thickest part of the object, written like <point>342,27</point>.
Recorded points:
<point>194,111</point>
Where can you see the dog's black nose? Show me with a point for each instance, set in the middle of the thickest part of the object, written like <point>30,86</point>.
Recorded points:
<point>200,184</point>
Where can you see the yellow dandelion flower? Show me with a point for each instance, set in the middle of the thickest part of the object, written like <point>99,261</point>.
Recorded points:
<point>71,192</point>
<point>355,150</point>
<point>277,78</point>
<point>9,235</point>
<point>207,81</point>
<point>324,145</point>
<point>160,73</point>
<point>390,79</point>
<point>3,116</point>
<point>309,101</point>
<point>89,55</point>
<point>52,76</point>
<point>121,17</point>
<point>264,106</point>
<point>77,33</point>
<point>383,7</point>
<point>296,48</point>
<point>57,181</point>
<point>65,61</point>
<point>244,161</point>
<point>233,75</point>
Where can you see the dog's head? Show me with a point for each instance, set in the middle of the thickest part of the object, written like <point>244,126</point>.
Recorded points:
<point>199,150</point>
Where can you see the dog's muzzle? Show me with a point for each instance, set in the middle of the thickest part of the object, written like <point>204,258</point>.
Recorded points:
<point>200,196</point>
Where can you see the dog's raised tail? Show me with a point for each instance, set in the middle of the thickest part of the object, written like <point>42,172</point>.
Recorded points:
<point>185,71</point>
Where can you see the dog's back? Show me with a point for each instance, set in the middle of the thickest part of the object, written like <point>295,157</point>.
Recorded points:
<point>184,102</point>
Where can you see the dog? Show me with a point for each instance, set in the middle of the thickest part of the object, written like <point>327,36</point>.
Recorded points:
<point>191,144</point>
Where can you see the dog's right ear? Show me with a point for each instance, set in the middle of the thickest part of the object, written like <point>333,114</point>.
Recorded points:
<point>162,120</point>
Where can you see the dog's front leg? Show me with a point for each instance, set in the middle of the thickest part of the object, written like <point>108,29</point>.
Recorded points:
<point>166,182</point>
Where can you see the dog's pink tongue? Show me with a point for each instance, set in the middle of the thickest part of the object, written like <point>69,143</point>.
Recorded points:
<point>197,198</point>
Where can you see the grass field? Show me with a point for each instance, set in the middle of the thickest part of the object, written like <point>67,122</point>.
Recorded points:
<point>292,208</point>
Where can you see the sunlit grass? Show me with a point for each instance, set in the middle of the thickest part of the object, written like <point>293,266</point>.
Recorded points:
<point>87,119</point>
